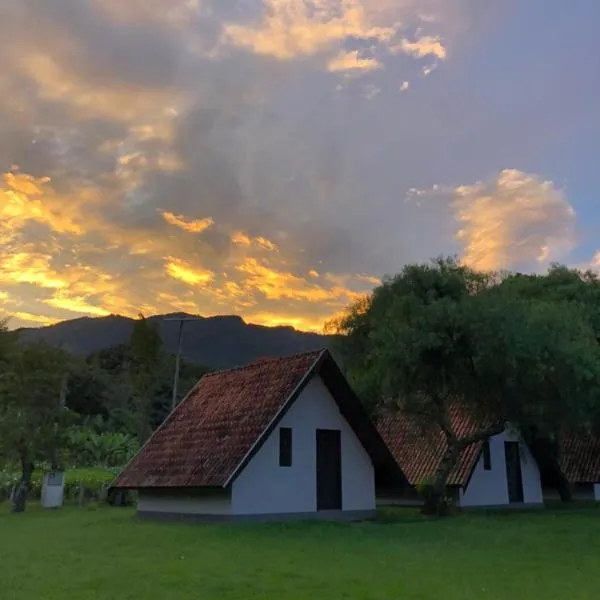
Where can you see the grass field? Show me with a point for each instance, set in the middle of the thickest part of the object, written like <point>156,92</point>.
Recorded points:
<point>105,553</point>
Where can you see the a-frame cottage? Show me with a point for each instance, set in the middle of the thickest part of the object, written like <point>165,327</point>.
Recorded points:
<point>279,438</point>
<point>500,472</point>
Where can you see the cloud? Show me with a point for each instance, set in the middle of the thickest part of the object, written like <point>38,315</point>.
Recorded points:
<point>164,155</point>
<point>275,284</point>
<point>422,47</point>
<point>34,269</point>
<point>195,226</point>
<point>35,319</point>
<point>241,239</point>
<point>187,273</point>
<point>352,61</point>
<point>517,221</point>
<point>24,198</point>
<point>76,304</point>
<point>292,28</point>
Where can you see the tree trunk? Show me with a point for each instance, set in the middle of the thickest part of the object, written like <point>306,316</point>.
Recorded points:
<point>564,488</point>
<point>20,495</point>
<point>435,497</point>
<point>545,453</point>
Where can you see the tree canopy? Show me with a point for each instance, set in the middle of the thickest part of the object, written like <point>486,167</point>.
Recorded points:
<point>439,334</point>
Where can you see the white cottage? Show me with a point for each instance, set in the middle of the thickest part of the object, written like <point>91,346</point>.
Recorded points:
<point>277,439</point>
<point>500,472</point>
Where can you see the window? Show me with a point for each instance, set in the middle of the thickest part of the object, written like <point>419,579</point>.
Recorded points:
<point>285,447</point>
<point>487,456</point>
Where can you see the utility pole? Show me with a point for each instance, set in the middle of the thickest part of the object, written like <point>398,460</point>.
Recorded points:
<point>181,321</point>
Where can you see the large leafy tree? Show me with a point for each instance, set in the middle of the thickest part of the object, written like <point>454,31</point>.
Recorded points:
<point>32,412</point>
<point>440,334</point>
<point>577,288</point>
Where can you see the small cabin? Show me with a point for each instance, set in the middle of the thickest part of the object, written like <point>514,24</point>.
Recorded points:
<point>496,473</point>
<point>280,438</point>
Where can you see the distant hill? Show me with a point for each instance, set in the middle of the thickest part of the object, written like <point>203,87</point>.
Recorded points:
<point>216,342</point>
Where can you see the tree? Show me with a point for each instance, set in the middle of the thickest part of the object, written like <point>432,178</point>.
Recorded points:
<point>577,288</point>
<point>31,415</point>
<point>146,357</point>
<point>440,334</point>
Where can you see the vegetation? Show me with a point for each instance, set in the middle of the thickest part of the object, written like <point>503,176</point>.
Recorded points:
<point>81,485</point>
<point>505,348</point>
<point>58,411</point>
<point>104,553</point>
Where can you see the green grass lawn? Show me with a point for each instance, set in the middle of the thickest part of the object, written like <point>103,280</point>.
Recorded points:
<point>105,553</point>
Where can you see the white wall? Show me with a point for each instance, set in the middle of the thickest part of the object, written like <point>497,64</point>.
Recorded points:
<point>489,488</point>
<point>597,492</point>
<point>264,487</point>
<point>187,502</point>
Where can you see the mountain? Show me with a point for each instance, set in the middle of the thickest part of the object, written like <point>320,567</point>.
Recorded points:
<point>216,342</point>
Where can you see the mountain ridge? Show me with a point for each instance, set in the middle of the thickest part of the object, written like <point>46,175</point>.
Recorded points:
<point>217,342</point>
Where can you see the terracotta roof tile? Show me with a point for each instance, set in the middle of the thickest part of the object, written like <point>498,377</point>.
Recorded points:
<point>579,458</point>
<point>419,452</point>
<point>203,441</point>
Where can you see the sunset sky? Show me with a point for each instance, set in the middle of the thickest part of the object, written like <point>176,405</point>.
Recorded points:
<point>275,158</point>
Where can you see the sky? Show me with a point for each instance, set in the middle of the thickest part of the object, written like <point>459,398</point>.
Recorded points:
<point>276,158</point>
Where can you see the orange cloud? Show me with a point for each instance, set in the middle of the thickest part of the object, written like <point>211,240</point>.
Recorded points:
<point>25,198</point>
<point>266,244</point>
<point>70,285</point>
<point>76,304</point>
<point>187,273</point>
<point>516,218</point>
<point>24,267</point>
<point>292,28</point>
<point>197,226</point>
<point>241,239</point>
<point>31,318</point>
<point>274,320</point>
<point>346,62</point>
<point>275,285</point>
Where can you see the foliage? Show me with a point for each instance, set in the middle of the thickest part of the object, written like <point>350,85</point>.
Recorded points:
<point>57,409</point>
<point>32,414</point>
<point>146,358</point>
<point>441,335</point>
<point>86,447</point>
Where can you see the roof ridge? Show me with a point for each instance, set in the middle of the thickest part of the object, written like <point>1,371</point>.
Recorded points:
<point>258,362</point>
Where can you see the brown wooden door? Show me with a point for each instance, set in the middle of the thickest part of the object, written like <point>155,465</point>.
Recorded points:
<point>329,469</point>
<point>514,477</point>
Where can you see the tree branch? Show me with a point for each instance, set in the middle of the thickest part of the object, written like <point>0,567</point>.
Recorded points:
<point>481,435</point>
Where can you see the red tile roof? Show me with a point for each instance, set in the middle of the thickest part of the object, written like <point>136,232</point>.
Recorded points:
<point>203,441</point>
<point>579,458</point>
<point>419,452</point>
